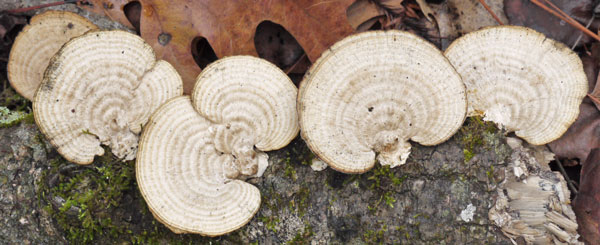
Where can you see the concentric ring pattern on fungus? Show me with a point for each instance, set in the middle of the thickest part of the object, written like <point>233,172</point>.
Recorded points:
<point>181,174</point>
<point>194,154</point>
<point>98,90</point>
<point>37,43</point>
<point>520,79</point>
<point>371,93</point>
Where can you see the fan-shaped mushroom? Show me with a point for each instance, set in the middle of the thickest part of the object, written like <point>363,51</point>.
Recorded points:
<point>520,79</point>
<point>99,89</point>
<point>181,174</point>
<point>37,43</point>
<point>193,153</point>
<point>372,92</point>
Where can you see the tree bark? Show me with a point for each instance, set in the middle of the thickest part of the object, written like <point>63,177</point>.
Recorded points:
<point>435,198</point>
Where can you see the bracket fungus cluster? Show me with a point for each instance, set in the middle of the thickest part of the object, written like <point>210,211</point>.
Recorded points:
<point>520,79</point>
<point>37,43</point>
<point>100,88</point>
<point>371,93</point>
<point>195,153</point>
<point>361,102</point>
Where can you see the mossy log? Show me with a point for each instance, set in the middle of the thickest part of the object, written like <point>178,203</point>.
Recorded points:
<point>437,197</point>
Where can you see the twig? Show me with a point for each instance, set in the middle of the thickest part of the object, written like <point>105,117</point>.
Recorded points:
<point>490,11</point>
<point>586,50</point>
<point>21,10</point>
<point>581,34</point>
<point>575,184</point>
<point>291,68</point>
<point>594,99</point>
<point>563,16</point>
<point>564,173</point>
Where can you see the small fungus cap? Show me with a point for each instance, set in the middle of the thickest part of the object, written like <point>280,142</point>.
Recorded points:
<point>251,103</point>
<point>195,153</point>
<point>182,176</point>
<point>371,93</point>
<point>100,88</point>
<point>37,43</point>
<point>520,79</point>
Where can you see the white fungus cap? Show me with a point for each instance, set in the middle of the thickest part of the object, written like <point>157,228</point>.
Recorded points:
<point>251,103</point>
<point>37,43</point>
<point>520,79</point>
<point>182,176</point>
<point>371,93</point>
<point>195,153</point>
<point>99,89</point>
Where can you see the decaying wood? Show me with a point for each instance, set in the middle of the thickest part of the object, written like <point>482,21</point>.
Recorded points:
<point>533,201</point>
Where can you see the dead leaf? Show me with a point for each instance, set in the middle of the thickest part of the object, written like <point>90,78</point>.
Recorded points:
<point>421,27</point>
<point>362,11</point>
<point>587,203</point>
<point>582,136</point>
<point>392,6</point>
<point>10,25</point>
<point>8,22</point>
<point>458,17</point>
<point>525,13</point>
<point>595,95</point>
<point>229,26</point>
<point>590,66</point>
<point>425,9</point>
<point>275,44</point>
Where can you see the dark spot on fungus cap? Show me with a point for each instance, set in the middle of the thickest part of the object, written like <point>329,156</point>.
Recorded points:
<point>70,25</point>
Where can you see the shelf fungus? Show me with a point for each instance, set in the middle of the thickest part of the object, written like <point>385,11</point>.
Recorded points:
<point>100,88</point>
<point>371,93</point>
<point>195,153</point>
<point>533,202</point>
<point>37,43</point>
<point>521,80</point>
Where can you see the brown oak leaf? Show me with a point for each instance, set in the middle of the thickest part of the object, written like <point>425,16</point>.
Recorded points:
<point>526,13</point>
<point>584,134</point>
<point>170,27</point>
<point>587,203</point>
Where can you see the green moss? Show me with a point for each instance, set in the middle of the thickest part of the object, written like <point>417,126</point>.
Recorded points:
<point>272,200</point>
<point>89,193</point>
<point>375,237</point>
<point>383,173</point>
<point>11,99</point>
<point>302,200</point>
<point>490,173</point>
<point>350,179</point>
<point>87,131</point>
<point>303,236</point>
<point>299,201</point>
<point>290,171</point>
<point>469,154</point>
<point>10,118</point>
<point>298,153</point>
<point>14,109</point>
<point>472,135</point>
<point>387,198</point>
<point>270,222</point>
<point>95,199</point>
